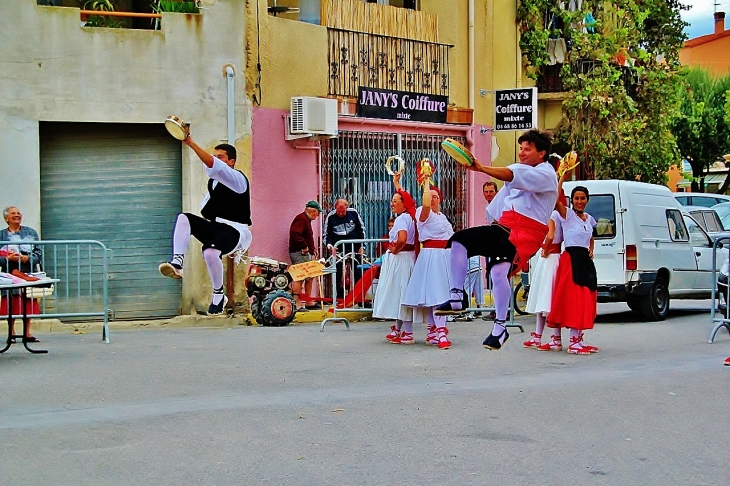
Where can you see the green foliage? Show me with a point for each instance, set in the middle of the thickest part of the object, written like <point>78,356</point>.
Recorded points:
<point>177,6</point>
<point>702,127</point>
<point>616,117</point>
<point>98,20</point>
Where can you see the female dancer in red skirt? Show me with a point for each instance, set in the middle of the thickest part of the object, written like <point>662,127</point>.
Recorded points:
<point>574,295</point>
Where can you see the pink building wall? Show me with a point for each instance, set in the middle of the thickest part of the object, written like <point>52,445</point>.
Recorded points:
<point>284,178</point>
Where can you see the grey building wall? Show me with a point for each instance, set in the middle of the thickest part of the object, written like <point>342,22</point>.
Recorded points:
<point>54,69</point>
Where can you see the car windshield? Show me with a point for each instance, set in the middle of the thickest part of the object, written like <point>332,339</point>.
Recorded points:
<point>723,211</point>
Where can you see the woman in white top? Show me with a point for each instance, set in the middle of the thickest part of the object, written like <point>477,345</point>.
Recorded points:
<point>543,279</point>
<point>574,296</point>
<point>397,266</point>
<point>429,285</point>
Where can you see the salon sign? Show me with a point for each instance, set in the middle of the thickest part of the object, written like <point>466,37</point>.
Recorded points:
<point>401,105</point>
<point>515,109</point>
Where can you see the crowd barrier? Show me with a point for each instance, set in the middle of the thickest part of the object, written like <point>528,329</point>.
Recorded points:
<point>82,268</point>
<point>720,294</point>
<point>355,289</point>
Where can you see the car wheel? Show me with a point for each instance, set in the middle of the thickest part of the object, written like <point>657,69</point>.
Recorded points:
<point>655,306</point>
<point>278,308</point>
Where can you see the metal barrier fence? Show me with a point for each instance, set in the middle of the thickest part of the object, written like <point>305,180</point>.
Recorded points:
<point>82,268</point>
<point>720,295</point>
<point>351,267</point>
<point>352,272</point>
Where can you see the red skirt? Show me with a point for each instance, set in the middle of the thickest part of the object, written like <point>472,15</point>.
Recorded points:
<point>33,307</point>
<point>572,305</point>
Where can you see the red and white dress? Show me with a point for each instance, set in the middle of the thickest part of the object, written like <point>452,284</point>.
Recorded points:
<point>395,274</point>
<point>574,304</point>
<point>430,284</point>
<point>542,279</point>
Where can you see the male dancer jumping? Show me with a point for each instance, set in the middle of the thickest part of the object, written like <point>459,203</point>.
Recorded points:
<point>223,229</point>
<point>521,211</point>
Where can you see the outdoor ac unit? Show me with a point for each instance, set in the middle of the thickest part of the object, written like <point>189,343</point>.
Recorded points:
<point>313,116</point>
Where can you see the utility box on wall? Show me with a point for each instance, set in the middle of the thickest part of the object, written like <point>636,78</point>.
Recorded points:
<point>313,116</point>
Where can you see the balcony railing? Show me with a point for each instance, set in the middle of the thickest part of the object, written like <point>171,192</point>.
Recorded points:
<point>551,81</point>
<point>376,61</point>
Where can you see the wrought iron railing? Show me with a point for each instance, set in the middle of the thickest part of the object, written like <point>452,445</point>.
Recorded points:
<point>376,61</point>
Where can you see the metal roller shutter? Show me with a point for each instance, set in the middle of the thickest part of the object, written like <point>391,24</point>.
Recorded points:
<point>120,184</point>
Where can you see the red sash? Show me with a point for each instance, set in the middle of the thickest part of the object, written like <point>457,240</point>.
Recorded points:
<point>553,249</point>
<point>526,235</point>
<point>440,244</point>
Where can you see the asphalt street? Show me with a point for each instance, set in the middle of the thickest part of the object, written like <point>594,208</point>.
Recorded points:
<point>293,406</point>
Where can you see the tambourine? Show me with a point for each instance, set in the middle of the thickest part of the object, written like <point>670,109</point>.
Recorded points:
<point>424,171</point>
<point>177,128</point>
<point>568,163</point>
<point>459,153</point>
<point>401,165</point>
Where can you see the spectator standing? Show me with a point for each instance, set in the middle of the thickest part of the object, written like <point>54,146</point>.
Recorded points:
<point>23,258</point>
<point>301,247</point>
<point>344,223</point>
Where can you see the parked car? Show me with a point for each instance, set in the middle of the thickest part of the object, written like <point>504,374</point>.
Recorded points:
<point>645,251</point>
<point>709,220</point>
<point>723,211</point>
<point>704,199</point>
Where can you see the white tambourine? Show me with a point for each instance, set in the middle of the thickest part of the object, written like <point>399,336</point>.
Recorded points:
<point>177,128</point>
<point>401,165</point>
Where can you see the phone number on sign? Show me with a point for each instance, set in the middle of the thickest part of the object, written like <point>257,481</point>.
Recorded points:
<point>513,126</point>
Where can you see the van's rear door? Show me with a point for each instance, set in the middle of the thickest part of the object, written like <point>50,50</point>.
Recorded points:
<point>608,251</point>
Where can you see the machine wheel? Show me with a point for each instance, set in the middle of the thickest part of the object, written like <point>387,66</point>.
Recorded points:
<point>281,281</point>
<point>278,308</point>
<point>520,299</point>
<point>256,310</point>
<point>655,306</point>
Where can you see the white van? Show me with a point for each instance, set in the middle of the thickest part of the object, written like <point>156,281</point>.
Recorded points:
<point>646,252</point>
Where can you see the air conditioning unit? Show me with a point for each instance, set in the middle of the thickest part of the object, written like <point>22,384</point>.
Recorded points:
<point>313,116</point>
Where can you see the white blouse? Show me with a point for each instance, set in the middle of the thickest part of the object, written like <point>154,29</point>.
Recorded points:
<point>558,237</point>
<point>577,232</point>
<point>436,226</point>
<point>532,192</point>
<point>403,222</point>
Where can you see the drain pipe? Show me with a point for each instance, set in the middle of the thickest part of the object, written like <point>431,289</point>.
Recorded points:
<point>231,105</point>
<point>230,270</point>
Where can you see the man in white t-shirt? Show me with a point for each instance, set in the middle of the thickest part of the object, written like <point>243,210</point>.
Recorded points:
<point>521,211</point>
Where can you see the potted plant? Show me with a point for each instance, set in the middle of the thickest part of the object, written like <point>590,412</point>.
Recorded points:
<point>99,20</point>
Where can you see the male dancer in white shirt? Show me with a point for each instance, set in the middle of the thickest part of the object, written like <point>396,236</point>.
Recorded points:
<point>223,229</point>
<point>521,211</point>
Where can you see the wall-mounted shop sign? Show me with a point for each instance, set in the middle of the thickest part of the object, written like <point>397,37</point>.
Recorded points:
<point>401,105</point>
<point>515,109</point>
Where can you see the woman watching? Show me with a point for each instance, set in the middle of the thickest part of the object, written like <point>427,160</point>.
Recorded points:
<point>21,257</point>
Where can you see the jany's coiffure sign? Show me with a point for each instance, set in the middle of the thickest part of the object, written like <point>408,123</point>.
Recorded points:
<point>515,109</point>
<point>401,105</point>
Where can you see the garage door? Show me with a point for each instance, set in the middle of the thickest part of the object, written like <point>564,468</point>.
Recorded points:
<point>119,184</point>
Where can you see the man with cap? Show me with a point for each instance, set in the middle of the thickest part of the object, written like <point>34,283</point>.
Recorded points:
<point>301,246</point>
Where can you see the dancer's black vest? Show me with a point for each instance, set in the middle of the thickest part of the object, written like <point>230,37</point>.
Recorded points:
<point>227,204</point>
